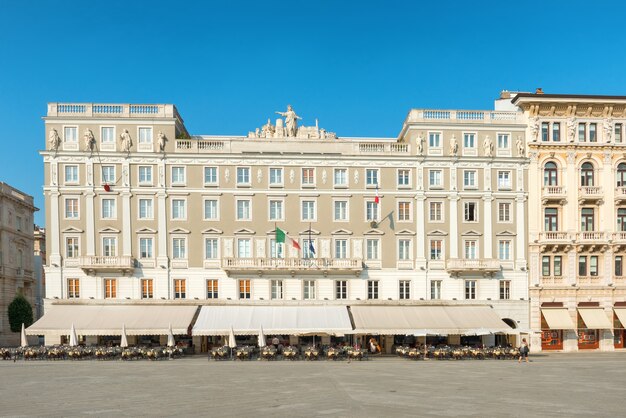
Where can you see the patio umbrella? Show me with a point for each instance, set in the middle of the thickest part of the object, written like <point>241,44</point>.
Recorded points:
<point>261,338</point>
<point>24,341</point>
<point>73,338</point>
<point>124,342</point>
<point>170,337</point>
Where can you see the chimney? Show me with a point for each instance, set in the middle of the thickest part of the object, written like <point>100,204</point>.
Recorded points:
<point>505,94</point>
<point>539,90</point>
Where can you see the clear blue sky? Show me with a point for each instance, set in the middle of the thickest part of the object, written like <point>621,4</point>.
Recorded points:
<point>357,66</point>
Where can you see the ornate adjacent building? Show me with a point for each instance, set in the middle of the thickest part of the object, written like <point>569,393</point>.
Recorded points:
<point>140,213</point>
<point>577,222</point>
<point>16,255</point>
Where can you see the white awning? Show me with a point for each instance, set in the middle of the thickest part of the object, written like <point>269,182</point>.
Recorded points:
<point>558,318</point>
<point>621,315</point>
<point>427,320</point>
<point>109,319</point>
<point>595,318</point>
<point>275,320</point>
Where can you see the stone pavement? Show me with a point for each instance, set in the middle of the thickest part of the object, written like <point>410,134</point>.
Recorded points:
<point>554,385</point>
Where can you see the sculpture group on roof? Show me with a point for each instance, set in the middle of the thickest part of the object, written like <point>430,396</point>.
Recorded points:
<point>288,128</point>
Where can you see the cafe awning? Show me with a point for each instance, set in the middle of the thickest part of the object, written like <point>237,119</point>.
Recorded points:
<point>595,318</point>
<point>558,318</point>
<point>109,319</point>
<point>275,320</point>
<point>621,315</point>
<point>427,320</point>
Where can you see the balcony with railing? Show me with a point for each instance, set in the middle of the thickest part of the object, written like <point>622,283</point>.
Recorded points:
<point>591,237</point>
<point>555,237</point>
<point>552,280</point>
<point>465,116</point>
<point>590,193</point>
<point>480,265</point>
<point>199,145</point>
<point>620,194</point>
<point>619,280</point>
<point>553,193</point>
<point>111,110</point>
<point>619,237</point>
<point>383,148</point>
<point>292,266</point>
<point>589,280</point>
<point>97,263</point>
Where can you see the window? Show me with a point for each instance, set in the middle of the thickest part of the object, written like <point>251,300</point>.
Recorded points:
<point>556,131</point>
<point>179,210</point>
<point>436,249</point>
<point>71,208</point>
<point>308,177</point>
<point>435,211</point>
<point>341,210</point>
<point>404,249</point>
<point>504,212</point>
<point>243,248</point>
<point>550,174</point>
<point>586,219</point>
<point>109,246</point>
<point>19,223</point>
<point>243,176</point>
<point>582,132</point>
<point>308,210</point>
<point>73,288</point>
<point>371,211</point>
<point>470,289</point>
<point>372,289</point>
<point>179,248</point>
<point>210,176</point>
<point>545,265</point>
<point>593,132</point>
<point>145,247</point>
<point>469,140</point>
<point>504,180</point>
<point>470,212</point>
<point>145,174</point>
<point>276,210</point>
<point>277,249</point>
<point>211,289</point>
<point>621,175</point>
<point>341,177</point>
<point>405,289</point>
<point>147,288</point>
<point>545,126</point>
<point>276,176</point>
<point>469,179</point>
<point>180,289</point>
<point>593,265</point>
<point>210,248</point>
<point>244,289</point>
<point>308,289</point>
<point>435,289</point>
<point>503,141</point>
<point>404,178</point>
<point>434,140</point>
<point>145,209</point>
<point>108,209</point>
<point>341,289</point>
<point>243,210</point>
<point>504,249</point>
<point>582,265</point>
<point>145,135</point>
<point>110,288</point>
<point>178,175</point>
<point>107,134</point>
<point>71,247</point>
<point>470,249</point>
<point>551,219</point>
<point>108,174</point>
<point>371,177</point>
<point>619,132</point>
<point>341,248</point>
<point>372,249</point>
<point>404,211</point>
<point>557,265</point>
<point>277,289</point>
<point>435,178</point>
<point>586,174</point>
<point>505,289</point>
<point>621,219</point>
<point>71,174</point>
<point>210,210</point>
<point>619,266</point>
<point>70,134</point>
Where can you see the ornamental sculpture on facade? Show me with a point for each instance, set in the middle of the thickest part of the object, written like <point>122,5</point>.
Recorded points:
<point>162,141</point>
<point>607,126</point>
<point>571,129</point>
<point>126,141</point>
<point>488,146</point>
<point>54,139</point>
<point>90,140</point>
<point>454,145</point>
<point>288,128</point>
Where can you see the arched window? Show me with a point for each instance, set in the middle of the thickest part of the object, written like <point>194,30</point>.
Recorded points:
<point>550,174</point>
<point>621,175</point>
<point>586,174</point>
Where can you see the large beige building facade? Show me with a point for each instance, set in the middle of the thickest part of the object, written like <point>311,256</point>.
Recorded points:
<point>137,211</point>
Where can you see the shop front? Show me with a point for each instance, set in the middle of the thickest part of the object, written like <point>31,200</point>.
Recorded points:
<point>591,323</point>
<point>554,323</point>
<point>619,323</point>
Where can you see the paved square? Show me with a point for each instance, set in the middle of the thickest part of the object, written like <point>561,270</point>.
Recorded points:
<point>554,385</point>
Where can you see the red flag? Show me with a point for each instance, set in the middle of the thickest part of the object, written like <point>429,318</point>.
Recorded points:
<point>377,198</point>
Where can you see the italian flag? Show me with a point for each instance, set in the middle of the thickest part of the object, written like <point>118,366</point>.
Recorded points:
<point>281,236</point>
<point>377,198</point>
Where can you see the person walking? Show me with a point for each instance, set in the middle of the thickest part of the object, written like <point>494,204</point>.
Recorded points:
<point>523,351</point>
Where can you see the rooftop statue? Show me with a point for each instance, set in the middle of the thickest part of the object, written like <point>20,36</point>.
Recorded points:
<point>291,121</point>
